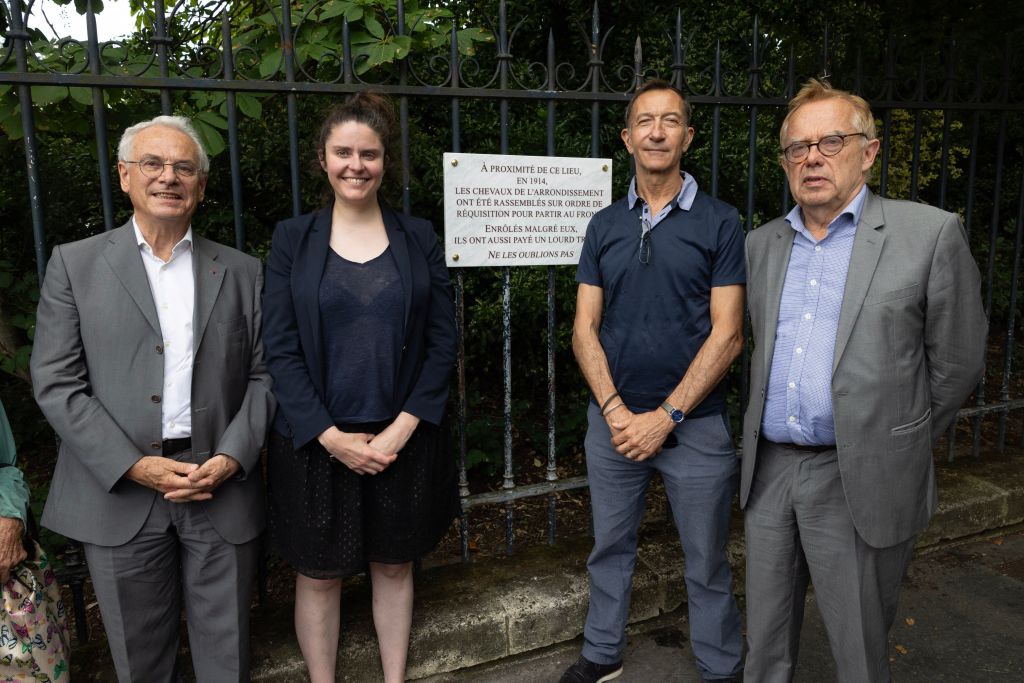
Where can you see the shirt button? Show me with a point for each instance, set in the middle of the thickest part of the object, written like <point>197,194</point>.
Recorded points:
<point>792,418</point>
<point>171,424</point>
<point>807,316</point>
<point>792,385</point>
<point>818,248</point>
<point>813,282</point>
<point>799,349</point>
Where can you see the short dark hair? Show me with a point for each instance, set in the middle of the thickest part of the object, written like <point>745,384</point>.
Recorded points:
<point>658,84</point>
<point>372,109</point>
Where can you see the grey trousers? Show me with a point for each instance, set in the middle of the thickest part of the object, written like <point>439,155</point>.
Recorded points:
<point>700,476</point>
<point>799,529</point>
<point>140,585</point>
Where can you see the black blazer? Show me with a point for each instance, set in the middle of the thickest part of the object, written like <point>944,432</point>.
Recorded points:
<point>292,342</point>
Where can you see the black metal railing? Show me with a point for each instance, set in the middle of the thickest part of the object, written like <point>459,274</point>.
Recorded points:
<point>744,89</point>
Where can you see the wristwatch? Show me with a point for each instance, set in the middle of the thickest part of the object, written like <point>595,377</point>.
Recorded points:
<point>673,412</point>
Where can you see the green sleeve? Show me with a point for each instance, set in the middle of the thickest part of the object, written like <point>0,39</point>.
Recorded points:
<point>13,488</point>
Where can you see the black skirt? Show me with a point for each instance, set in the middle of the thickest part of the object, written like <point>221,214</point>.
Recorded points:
<point>328,521</point>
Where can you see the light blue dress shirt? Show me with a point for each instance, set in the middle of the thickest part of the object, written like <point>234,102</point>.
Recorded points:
<point>798,405</point>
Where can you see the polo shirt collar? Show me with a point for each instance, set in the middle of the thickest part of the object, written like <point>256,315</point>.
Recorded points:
<point>849,216</point>
<point>684,200</point>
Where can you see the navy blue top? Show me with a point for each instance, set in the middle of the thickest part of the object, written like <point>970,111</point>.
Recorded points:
<point>361,316</point>
<point>657,316</point>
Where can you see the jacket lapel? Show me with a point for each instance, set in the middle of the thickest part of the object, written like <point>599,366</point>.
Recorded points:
<point>780,246</point>
<point>400,250</point>
<point>209,275</point>
<point>311,264</point>
<point>867,247</point>
<point>122,255</point>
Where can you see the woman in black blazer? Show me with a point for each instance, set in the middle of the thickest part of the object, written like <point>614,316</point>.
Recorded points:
<point>359,336</point>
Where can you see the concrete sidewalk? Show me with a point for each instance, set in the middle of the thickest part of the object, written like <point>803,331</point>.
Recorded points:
<point>471,614</point>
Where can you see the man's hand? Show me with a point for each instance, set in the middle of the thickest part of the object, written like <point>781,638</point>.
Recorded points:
<point>160,473</point>
<point>205,479</point>
<point>641,435</point>
<point>12,552</point>
<point>354,451</point>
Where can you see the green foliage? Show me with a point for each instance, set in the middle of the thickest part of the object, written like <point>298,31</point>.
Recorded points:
<point>901,151</point>
<point>19,294</point>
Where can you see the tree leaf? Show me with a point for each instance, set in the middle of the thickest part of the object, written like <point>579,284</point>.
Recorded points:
<point>467,38</point>
<point>213,119</point>
<point>381,53</point>
<point>361,38</point>
<point>333,9</point>
<point>250,106</point>
<point>402,46</point>
<point>271,62</point>
<point>374,27</point>
<point>43,95</point>
<point>213,141</point>
<point>81,95</point>
<point>318,34</point>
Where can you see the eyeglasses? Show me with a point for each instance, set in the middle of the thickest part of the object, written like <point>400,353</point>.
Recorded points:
<point>645,241</point>
<point>829,146</point>
<point>153,168</point>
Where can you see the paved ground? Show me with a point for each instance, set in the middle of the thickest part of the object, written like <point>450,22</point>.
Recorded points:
<point>961,618</point>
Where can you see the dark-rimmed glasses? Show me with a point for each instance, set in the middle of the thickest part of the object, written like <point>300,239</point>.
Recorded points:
<point>829,146</point>
<point>645,241</point>
<point>152,167</point>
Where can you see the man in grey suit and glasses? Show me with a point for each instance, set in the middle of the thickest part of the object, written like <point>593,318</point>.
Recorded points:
<point>869,330</point>
<point>148,364</point>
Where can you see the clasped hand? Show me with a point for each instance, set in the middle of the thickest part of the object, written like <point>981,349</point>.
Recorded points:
<point>638,436</point>
<point>183,482</point>
<point>366,453</point>
<point>361,453</point>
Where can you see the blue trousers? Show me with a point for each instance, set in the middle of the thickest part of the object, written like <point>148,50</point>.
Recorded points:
<point>700,477</point>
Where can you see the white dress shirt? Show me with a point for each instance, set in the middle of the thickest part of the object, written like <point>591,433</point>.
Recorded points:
<point>172,284</point>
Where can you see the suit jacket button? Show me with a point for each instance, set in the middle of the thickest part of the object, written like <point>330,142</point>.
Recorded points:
<point>159,349</point>
<point>156,445</point>
<point>155,398</point>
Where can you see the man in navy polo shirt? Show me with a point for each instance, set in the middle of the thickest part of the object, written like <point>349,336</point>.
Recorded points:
<point>659,320</point>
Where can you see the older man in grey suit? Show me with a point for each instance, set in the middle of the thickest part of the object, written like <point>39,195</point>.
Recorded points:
<point>869,329</point>
<point>148,364</point>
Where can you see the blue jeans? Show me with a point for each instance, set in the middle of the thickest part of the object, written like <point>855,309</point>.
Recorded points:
<point>700,477</point>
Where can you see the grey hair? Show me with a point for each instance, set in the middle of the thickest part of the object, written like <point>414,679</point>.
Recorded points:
<point>179,123</point>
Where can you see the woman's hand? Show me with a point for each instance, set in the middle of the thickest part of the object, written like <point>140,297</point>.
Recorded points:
<point>354,451</point>
<point>394,437</point>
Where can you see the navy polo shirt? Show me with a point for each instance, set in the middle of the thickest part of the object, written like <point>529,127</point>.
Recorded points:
<point>657,315</point>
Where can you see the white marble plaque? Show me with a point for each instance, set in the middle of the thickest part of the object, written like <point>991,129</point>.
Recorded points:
<point>504,210</point>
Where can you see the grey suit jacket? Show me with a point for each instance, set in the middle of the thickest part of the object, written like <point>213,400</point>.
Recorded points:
<point>909,350</point>
<point>97,371</point>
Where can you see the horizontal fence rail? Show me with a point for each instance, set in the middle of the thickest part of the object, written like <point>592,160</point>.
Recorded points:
<point>958,112</point>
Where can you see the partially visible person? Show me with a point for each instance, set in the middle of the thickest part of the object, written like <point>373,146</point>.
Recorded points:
<point>869,334</point>
<point>35,645</point>
<point>148,363</point>
<point>360,339</point>
<point>659,320</point>
<point>14,495</point>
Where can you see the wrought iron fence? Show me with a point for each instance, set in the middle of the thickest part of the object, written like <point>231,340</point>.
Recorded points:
<point>958,104</point>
